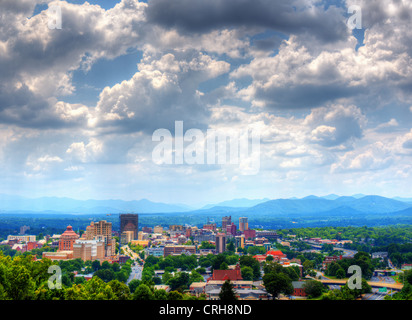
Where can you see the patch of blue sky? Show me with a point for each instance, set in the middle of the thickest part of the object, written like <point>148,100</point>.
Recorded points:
<point>103,73</point>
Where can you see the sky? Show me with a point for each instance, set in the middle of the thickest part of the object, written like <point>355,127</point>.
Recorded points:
<point>79,105</point>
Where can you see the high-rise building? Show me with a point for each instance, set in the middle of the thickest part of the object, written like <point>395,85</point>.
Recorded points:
<point>101,231</point>
<point>23,229</point>
<point>231,229</point>
<point>129,222</point>
<point>220,242</point>
<point>243,224</point>
<point>226,221</point>
<point>67,239</point>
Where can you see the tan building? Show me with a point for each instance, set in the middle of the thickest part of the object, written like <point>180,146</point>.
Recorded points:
<point>179,250</point>
<point>88,250</point>
<point>285,243</point>
<point>23,238</point>
<point>243,224</point>
<point>158,229</point>
<point>126,237</point>
<point>143,243</point>
<point>101,231</point>
<point>175,227</point>
<point>142,236</point>
<point>60,255</point>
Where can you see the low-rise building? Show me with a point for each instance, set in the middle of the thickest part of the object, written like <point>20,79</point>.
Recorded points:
<point>157,251</point>
<point>241,294</point>
<point>60,255</point>
<point>298,289</point>
<point>22,238</point>
<point>328,260</point>
<point>143,243</point>
<point>179,249</point>
<point>126,237</point>
<point>231,274</point>
<point>89,250</point>
<point>158,229</point>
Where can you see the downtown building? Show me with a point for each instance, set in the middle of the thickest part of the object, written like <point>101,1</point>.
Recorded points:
<point>178,250</point>
<point>226,221</point>
<point>129,222</point>
<point>89,250</point>
<point>243,224</point>
<point>101,231</point>
<point>220,242</point>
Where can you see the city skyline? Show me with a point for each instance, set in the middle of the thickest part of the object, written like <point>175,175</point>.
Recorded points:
<point>80,104</point>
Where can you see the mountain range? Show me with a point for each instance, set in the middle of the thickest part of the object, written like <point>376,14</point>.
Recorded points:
<point>307,206</point>
<point>67,205</point>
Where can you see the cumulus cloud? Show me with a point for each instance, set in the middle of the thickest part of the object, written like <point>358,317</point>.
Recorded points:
<point>164,90</point>
<point>298,17</point>
<point>336,125</point>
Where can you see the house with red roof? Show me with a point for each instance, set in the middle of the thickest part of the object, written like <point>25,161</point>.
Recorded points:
<point>223,275</point>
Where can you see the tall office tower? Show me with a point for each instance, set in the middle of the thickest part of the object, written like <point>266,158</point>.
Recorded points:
<point>129,222</point>
<point>243,224</point>
<point>101,231</point>
<point>220,242</point>
<point>226,221</point>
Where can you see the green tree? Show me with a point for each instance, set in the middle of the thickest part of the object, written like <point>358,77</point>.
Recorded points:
<point>160,294</point>
<point>166,277</point>
<point>120,290</point>
<point>20,285</point>
<point>313,288</point>
<point>247,273</point>
<point>96,265</point>
<point>340,274</point>
<point>195,277</point>
<point>249,261</point>
<point>227,293</point>
<point>224,266</point>
<point>174,295</point>
<point>115,267</point>
<point>133,285</point>
<point>143,292</point>
<point>276,283</point>
<point>231,246</point>
<point>179,282</point>
<point>105,274</point>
